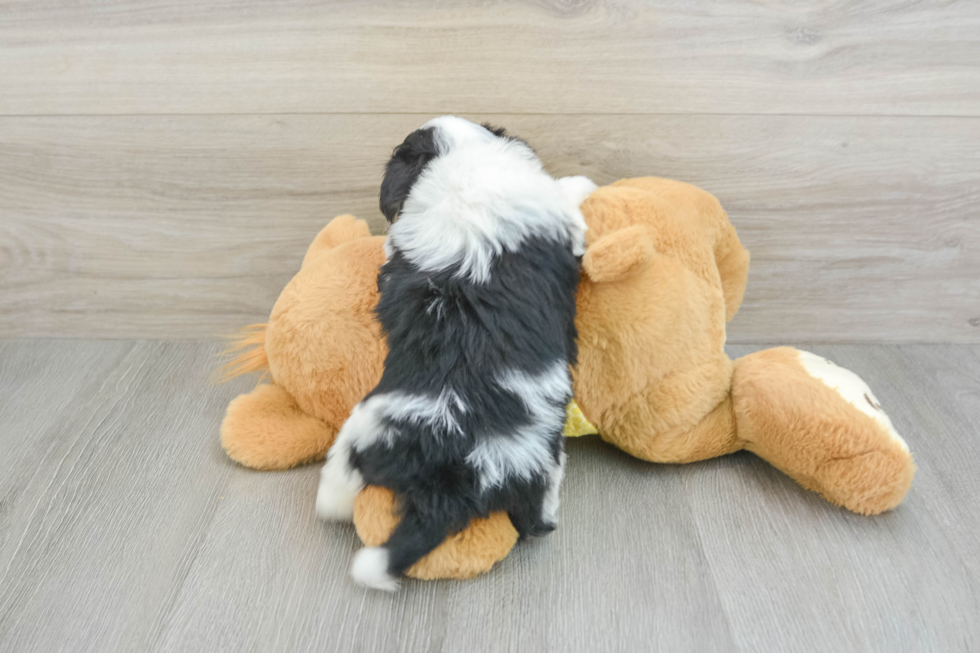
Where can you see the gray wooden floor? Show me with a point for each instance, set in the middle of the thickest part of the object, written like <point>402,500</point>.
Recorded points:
<point>123,527</point>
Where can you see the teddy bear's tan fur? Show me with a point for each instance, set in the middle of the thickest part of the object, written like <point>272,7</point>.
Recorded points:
<point>663,273</point>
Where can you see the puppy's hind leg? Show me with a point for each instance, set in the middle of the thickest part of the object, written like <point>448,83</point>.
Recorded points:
<point>340,482</point>
<point>526,518</point>
<point>537,514</point>
<point>549,507</point>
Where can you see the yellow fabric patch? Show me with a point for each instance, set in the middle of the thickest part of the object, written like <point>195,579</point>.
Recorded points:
<point>575,422</point>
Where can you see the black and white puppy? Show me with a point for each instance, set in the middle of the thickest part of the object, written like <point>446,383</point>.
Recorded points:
<point>478,307</point>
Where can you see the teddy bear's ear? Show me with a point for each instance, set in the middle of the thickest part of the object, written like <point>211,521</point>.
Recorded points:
<point>618,255</point>
<point>340,230</point>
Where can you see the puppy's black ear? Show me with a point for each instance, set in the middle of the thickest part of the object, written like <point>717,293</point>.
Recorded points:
<point>406,164</point>
<point>496,131</point>
<point>500,132</point>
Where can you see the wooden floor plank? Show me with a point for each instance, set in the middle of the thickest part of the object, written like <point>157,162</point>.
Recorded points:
<point>547,56</point>
<point>106,511</point>
<point>861,229</point>
<point>37,385</point>
<point>946,420</point>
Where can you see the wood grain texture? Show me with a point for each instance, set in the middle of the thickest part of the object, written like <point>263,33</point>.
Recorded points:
<point>540,56</point>
<point>861,228</point>
<point>117,478</point>
<point>124,527</point>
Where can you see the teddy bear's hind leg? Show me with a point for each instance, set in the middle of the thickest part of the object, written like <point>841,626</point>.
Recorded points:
<point>821,425</point>
<point>266,429</point>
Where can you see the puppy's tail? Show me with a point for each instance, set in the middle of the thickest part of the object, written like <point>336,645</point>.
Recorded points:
<point>421,529</point>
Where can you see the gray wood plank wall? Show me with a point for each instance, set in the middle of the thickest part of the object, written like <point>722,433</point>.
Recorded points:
<point>163,167</point>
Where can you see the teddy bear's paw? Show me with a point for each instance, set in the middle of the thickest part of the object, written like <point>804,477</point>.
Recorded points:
<point>852,389</point>
<point>266,429</point>
<point>868,483</point>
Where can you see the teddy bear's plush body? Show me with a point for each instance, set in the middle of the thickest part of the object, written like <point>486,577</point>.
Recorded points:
<point>662,274</point>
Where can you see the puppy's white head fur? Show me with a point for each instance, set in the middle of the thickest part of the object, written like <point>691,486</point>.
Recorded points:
<point>477,194</point>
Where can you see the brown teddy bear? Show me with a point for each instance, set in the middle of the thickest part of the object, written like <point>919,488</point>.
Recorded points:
<point>662,274</point>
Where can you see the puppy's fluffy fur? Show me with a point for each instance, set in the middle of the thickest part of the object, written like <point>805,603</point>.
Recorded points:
<point>478,306</point>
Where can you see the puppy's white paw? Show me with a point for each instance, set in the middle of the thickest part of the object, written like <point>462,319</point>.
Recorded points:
<point>370,569</point>
<point>577,188</point>
<point>335,501</point>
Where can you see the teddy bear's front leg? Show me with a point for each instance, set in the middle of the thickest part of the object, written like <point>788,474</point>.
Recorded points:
<point>822,425</point>
<point>266,429</point>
